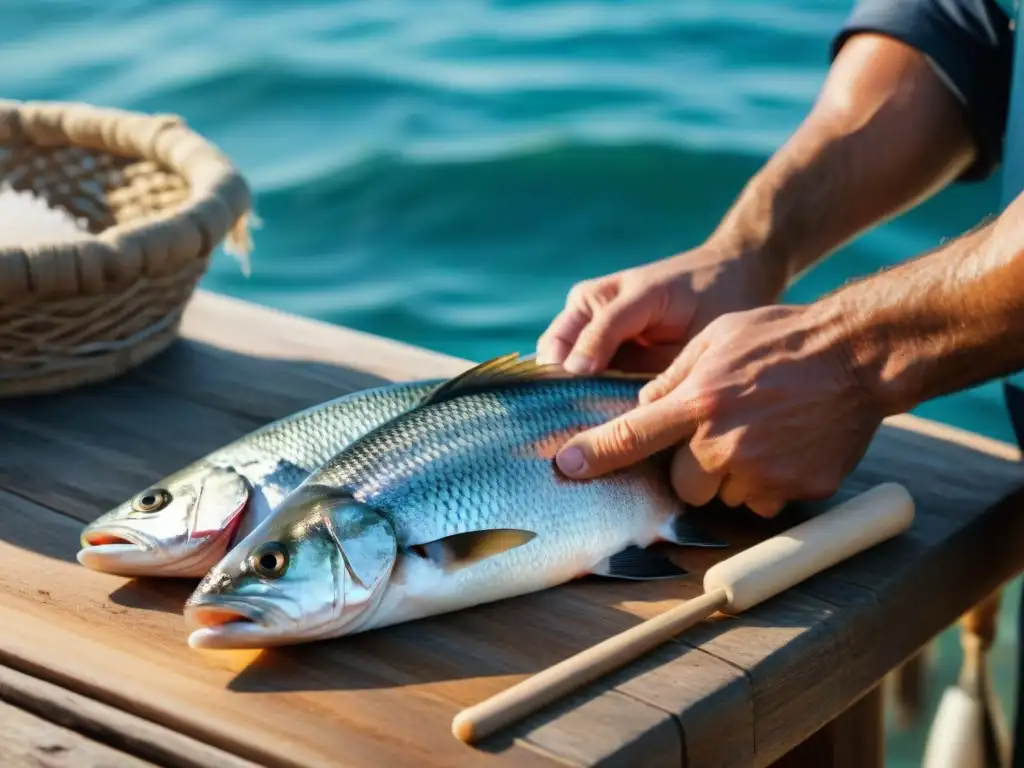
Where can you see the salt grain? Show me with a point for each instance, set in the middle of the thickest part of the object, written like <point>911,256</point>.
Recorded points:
<point>26,218</point>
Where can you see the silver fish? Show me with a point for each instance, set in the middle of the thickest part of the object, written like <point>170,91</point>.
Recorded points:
<point>184,525</point>
<point>454,503</point>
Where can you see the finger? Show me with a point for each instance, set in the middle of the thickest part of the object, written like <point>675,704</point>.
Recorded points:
<point>692,483</point>
<point>734,490</point>
<point>612,324</point>
<point>628,438</point>
<point>673,376</point>
<point>765,507</point>
<point>557,341</point>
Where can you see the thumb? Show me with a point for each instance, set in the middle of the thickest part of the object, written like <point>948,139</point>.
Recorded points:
<point>628,439</point>
<point>625,318</point>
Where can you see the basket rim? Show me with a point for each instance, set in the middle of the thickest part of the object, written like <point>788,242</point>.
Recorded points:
<point>217,207</point>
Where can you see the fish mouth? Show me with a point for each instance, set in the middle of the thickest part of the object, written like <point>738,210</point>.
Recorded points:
<point>125,552</point>
<point>102,538</point>
<point>114,550</point>
<point>218,625</point>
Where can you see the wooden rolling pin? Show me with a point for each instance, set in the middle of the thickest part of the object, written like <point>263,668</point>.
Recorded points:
<point>735,584</point>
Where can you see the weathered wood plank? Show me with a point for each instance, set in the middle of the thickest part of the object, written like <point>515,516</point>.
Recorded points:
<point>113,727</point>
<point>596,730</point>
<point>906,690</point>
<point>962,546</point>
<point>266,363</point>
<point>784,650</point>
<point>27,741</point>
<point>854,739</point>
<point>387,697</point>
<point>791,698</point>
<point>711,699</point>
<point>84,451</point>
<point>789,645</point>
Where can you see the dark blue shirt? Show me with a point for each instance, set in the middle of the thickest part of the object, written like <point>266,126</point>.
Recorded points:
<point>970,43</point>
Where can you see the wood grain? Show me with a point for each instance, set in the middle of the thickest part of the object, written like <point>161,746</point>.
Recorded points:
<point>736,691</point>
<point>710,698</point>
<point>291,361</point>
<point>113,727</point>
<point>597,662</point>
<point>27,741</point>
<point>854,739</point>
<point>84,451</point>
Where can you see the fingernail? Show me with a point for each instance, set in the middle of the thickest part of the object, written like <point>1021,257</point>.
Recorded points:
<point>571,461</point>
<point>551,353</point>
<point>578,363</point>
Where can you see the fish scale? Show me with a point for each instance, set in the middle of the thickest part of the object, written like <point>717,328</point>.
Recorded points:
<point>277,458</point>
<point>459,457</point>
<point>312,436</point>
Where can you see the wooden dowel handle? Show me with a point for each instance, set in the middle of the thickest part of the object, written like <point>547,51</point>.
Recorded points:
<point>739,582</point>
<point>523,698</point>
<point>776,564</point>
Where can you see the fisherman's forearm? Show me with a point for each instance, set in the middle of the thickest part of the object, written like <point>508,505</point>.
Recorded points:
<point>943,322</point>
<point>884,133</point>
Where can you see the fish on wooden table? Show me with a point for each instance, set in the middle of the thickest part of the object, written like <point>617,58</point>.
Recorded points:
<point>454,503</point>
<point>185,523</point>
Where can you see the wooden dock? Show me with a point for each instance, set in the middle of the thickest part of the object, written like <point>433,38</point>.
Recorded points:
<point>95,670</point>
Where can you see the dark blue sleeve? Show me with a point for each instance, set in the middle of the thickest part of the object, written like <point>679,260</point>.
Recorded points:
<point>969,42</point>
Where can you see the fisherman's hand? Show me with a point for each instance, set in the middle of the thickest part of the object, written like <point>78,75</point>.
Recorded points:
<point>765,405</point>
<point>639,319</point>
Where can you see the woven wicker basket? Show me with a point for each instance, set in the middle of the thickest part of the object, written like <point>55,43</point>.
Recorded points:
<point>158,199</point>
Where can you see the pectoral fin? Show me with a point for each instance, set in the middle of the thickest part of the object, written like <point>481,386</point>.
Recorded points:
<point>463,549</point>
<point>639,564</point>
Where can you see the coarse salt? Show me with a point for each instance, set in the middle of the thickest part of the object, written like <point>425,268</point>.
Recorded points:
<point>26,218</point>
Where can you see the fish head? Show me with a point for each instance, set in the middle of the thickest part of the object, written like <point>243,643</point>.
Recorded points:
<point>179,527</point>
<point>317,568</point>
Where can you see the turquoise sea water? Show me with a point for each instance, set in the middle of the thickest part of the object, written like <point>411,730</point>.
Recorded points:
<point>443,172</point>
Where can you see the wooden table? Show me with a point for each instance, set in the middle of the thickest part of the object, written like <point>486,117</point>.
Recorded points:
<point>95,668</point>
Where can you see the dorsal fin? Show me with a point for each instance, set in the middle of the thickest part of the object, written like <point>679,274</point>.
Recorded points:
<point>508,369</point>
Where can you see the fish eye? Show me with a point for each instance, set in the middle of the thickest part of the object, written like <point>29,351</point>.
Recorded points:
<point>151,500</point>
<point>270,560</point>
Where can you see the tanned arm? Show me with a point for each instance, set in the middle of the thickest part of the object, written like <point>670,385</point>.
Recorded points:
<point>943,322</point>
<point>884,134</point>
